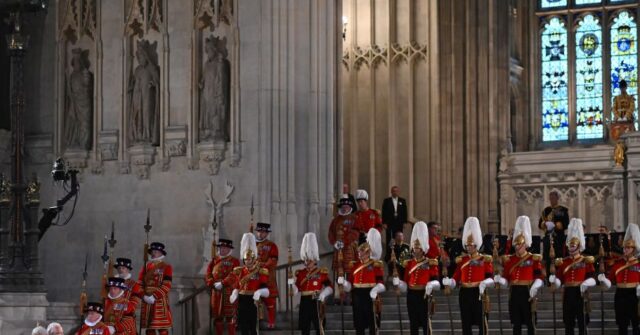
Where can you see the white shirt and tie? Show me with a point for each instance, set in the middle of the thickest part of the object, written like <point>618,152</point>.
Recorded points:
<point>395,206</point>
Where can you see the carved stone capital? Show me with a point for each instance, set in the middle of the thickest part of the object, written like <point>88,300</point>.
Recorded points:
<point>142,157</point>
<point>211,155</point>
<point>108,145</point>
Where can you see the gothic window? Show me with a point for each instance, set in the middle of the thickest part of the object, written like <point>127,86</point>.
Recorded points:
<point>585,47</point>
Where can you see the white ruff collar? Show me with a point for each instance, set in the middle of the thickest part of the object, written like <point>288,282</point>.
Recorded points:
<point>92,324</point>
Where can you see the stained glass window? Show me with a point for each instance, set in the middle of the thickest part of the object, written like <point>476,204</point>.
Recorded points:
<point>555,109</point>
<point>589,78</point>
<point>624,55</point>
<point>547,4</point>
<point>587,2</point>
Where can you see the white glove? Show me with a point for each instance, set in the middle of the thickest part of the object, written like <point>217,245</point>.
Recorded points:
<point>327,291</point>
<point>483,285</point>
<point>291,281</point>
<point>112,330</point>
<point>261,293</point>
<point>432,285</point>
<point>340,280</point>
<point>449,282</point>
<point>555,281</point>
<point>379,288</point>
<point>234,296</point>
<point>638,291</point>
<point>402,286</point>
<point>533,291</point>
<point>589,282</point>
<point>338,245</point>
<point>550,225</point>
<point>498,279</point>
<point>218,286</point>
<point>603,279</point>
<point>149,299</point>
<point>346,286</point>
<point>396,281</point>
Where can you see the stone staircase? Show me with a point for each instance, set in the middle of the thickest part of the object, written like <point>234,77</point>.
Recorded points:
<point>440,320</point>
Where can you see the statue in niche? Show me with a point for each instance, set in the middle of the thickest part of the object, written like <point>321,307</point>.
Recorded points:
<point>214,92</point>
<point>78,120</point>
<point>144,97</point>
<point>623,105</point>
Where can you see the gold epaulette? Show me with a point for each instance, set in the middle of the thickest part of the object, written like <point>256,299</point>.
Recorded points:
<point>324,270</point>
<point>589,259</point>
<point>488,258</point>
<point>559,261</point>
<point>536,257</point>
<point>264,271</point>
<point>433,261</point>
<point>458,259</point>
<point>237,270</point>
<point>378,264</point>
<point>505,258</point>
<point>405,263</point>
<point>352,263</point>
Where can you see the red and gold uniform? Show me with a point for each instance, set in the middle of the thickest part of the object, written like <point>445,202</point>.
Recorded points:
<point>572,272</point>
<point>521,272</point>
<point>367,219</point>
<point>157,282</point>
<point>417,275</point>
<point>120,314</point>
<point>247,281</point>
<point>268,258</point>
<point>471,270</point>
<point>99,329</point>
<point>626,275</point>
<point>134,291</point>
<point>363,277</point>
<point>343,228</point>
<point>310,284</point>
<point>221,308</point>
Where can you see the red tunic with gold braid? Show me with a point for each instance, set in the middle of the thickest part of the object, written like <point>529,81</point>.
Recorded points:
<point>417,273</point>
<point>99,329</point>
<point>522,270</point>
<point>312,282</point>
<point>368,219</point>
<point>157,279</point>
<point>343,228</point>
<point>120,314</point>
<point>268,258</point>
<point>134,293</point>
<point>471,270</point>
<point>573,271</point>
<point>434,247</point>
<point>625,273</point>
<point>218,271</point>
<point>366,275</point>
<point>247,281</point>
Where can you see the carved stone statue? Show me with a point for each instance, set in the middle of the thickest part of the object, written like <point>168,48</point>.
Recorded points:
<point>214,92</point>
<point>623,105</point>
<point>144,97</point>
<point>78,121</point>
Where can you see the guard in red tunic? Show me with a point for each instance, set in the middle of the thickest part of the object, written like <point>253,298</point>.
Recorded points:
<point>474,272</point>
<point>343,235</point>
<point>420,278</point>
<point>268,258</point>
<point>218,279</point>
<point>93,324</point>
<point>313,284</point>
<point>365,281</point>
<point>366,218</point>
<point>156,282</point>
<point>625,272</point>
<point>577,273</point>
<point>250,282</point>
<point>133,291</point>
<point>119,311</point>
<point>523,271</point>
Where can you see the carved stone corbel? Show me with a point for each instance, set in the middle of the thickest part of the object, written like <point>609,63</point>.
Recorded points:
<point>211,155</point>
<point>142,157</point>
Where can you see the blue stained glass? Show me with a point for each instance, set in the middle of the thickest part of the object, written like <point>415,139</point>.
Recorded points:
<point>555,101</point>
<point>624,55</point>
<point>546,4</point>
<point>589,78</point>
<point>587,2</point>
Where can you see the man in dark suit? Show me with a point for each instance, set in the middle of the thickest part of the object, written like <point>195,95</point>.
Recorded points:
<point>394,213</point>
